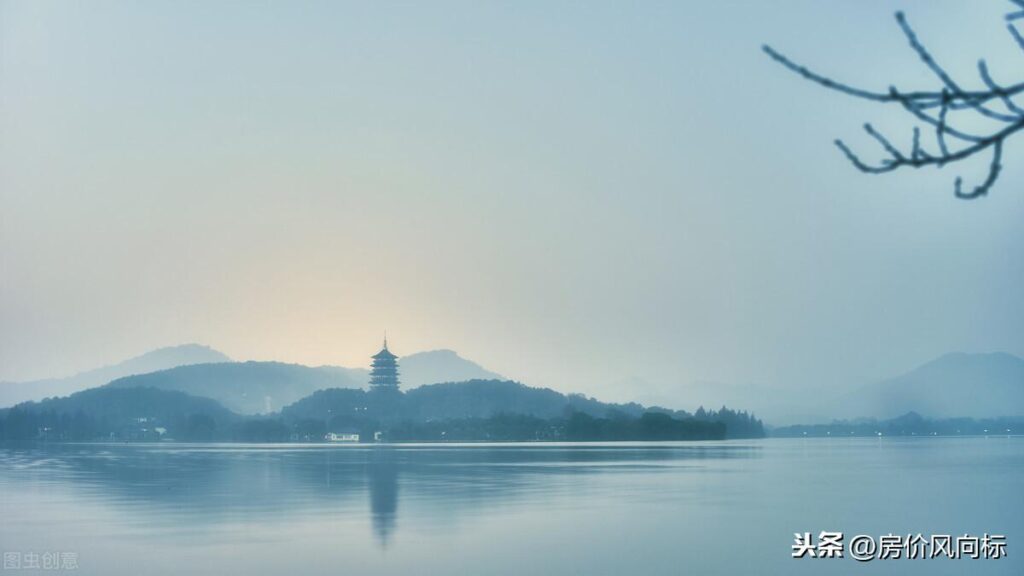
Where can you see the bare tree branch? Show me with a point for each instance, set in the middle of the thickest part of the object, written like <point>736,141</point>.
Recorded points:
<point>936,109</point>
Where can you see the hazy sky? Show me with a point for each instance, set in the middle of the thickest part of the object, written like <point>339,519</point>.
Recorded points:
<point>628,200</point>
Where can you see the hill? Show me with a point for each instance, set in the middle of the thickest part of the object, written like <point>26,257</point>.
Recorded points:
<point>436,366</point>
<point>162,358</point>
<point>953,385</point>
<point>485,400</point>
<point>247,387</point>
<point>471,399</point>
<point>264,387</point>
<point>122,413</point>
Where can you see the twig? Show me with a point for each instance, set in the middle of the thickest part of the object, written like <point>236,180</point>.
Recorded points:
<point>951,99</point>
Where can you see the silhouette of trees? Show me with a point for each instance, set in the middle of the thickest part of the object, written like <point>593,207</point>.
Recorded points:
<point>200,428</point>
<point>582,427</point>
<point>942,110</point>
<point>909,424</point>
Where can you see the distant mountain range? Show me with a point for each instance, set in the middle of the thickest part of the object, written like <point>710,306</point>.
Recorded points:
<point>246,387</point>
<point>444,397</point>
<point>162,358</point>
<point>264,387</point>
<point>951,386</point>
<point>243,387</point>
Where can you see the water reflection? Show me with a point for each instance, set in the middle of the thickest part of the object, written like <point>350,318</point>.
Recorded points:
<point>383,477</point>
<point>202,485</point>
<point>704,508</point>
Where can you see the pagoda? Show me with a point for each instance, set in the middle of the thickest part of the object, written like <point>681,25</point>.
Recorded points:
<point>384,374</point>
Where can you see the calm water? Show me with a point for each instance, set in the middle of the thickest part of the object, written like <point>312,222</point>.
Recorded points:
<point>661,508</point>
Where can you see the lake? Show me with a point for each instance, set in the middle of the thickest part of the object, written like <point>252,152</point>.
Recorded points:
<point>622,508</point>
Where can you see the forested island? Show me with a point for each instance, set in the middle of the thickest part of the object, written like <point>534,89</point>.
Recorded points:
<point>472,411</point>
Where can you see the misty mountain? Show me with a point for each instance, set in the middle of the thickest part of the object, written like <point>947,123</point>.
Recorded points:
<point>128,404</point>
<point>263,387</point>
<point>437,366</point>
<point>124,413</point>
<point>951,386</point>
<point>132,414</point>
<point>14,392</point>
<point>248,387</point>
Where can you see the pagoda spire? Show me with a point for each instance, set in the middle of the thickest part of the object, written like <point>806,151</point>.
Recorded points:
<point>384,373</point>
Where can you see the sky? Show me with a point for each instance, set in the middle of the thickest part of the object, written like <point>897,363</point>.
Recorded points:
<point>627,200</point>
